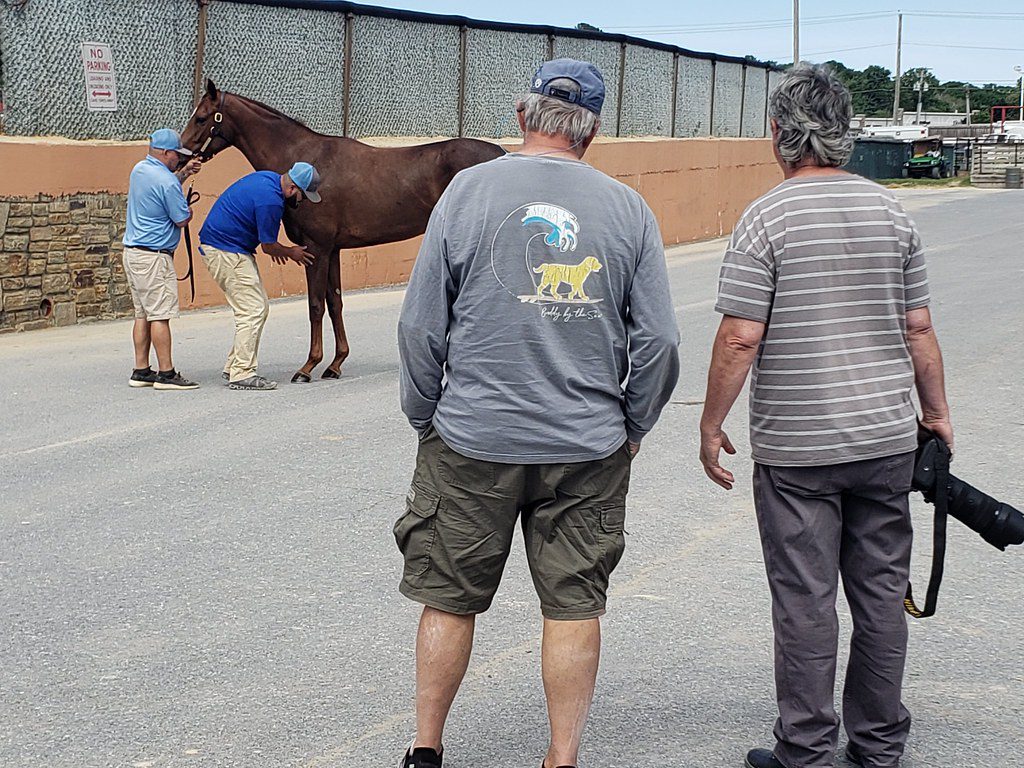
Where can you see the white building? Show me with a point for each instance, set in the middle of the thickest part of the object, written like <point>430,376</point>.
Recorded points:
<point>910,118</point>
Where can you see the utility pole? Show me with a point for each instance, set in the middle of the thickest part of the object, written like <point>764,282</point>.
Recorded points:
<point>921,86</point>
<point>968,107</point>
<point>796,31</point>
<point>899,55</point>
<point>1020,71</point>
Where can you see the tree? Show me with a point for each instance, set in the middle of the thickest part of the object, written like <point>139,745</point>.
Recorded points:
<point>872,92</point>
<point>876,98</point>
<point>931,100</point>
<point>991,95</point>
<point>872,89</point>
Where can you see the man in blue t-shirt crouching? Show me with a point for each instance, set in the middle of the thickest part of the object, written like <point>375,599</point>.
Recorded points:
<point>247,215</point>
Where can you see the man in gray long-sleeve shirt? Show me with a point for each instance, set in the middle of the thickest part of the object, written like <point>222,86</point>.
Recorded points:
<point>538,347</point>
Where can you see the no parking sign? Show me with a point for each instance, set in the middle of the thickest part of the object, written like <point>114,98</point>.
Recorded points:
<point>100,83</point>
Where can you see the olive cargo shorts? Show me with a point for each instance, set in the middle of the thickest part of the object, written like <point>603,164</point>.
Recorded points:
<point>461,513</point>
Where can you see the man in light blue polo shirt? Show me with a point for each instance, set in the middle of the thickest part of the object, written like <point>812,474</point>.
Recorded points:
<point>157,212</point>
<point>248,214</point>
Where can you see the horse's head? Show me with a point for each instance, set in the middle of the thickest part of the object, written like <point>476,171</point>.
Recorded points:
<point>210,129</point>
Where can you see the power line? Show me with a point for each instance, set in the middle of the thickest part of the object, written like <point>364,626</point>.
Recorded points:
<point>967,15</point>
<point>739,26</point>
<point>838,50</point>
<point>965,47</point>
<point>812,20</point>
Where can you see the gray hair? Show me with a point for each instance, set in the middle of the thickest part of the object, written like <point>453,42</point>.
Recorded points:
<point>813,111</point>
<point>548,115</point>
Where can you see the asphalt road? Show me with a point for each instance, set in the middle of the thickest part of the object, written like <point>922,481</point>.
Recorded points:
<point>209,578</point>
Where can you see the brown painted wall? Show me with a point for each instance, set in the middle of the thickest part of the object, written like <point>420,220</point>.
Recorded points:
<point>696,187</point>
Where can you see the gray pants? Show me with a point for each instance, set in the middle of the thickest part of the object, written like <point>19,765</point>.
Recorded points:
<point>818,522</point>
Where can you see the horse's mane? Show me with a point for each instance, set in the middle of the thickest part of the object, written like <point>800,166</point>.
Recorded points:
<point>268,108</point>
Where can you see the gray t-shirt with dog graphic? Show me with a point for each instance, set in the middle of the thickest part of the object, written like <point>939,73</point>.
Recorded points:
<point>538,325</point>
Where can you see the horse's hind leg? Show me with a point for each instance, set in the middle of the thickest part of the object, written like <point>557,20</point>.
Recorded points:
<point>335,306</point>
<point>316,282</point>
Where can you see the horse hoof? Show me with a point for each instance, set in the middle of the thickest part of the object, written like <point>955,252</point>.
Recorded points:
<point>331,374</point>
<point>300,378</point>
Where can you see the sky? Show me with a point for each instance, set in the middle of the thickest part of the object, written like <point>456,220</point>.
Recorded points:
<point>954,47</point>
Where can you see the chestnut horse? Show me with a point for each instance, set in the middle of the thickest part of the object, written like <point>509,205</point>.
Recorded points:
<point>370,195</point>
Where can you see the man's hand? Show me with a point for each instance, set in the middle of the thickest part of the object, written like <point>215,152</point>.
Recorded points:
<point>633,448</point>
<point>942,427</point>
<point>300,255</point>
<point>191,168</point>
<point>712,443</point>
<point>282,254</point>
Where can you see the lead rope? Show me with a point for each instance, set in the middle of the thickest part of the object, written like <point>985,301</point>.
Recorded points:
<point>191,198</point>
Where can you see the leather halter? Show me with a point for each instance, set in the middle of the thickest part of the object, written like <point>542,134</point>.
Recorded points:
<point>218,118</point>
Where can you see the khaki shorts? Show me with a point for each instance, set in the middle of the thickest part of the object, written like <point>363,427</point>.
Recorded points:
<point>461,513</point>
<point>153,284</point>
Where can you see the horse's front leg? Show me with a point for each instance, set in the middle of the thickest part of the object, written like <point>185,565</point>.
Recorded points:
<point>335,306</point>
<point>316,281</point>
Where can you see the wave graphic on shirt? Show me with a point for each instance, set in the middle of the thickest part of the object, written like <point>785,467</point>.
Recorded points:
<point>563,224</point>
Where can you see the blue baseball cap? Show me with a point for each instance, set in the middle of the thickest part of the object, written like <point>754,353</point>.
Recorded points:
<point>307,179</point>
<point>168,138</point>
<point>583,73</point>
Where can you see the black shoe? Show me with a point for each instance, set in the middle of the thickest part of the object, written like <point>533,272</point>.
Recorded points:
<point>762,758</point>
<point>421,757</point>
<point>142,377</point>
<point>173,380</point>
<point>225,375</point>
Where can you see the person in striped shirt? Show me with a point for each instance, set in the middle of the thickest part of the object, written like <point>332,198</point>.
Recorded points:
<point>824,292</point>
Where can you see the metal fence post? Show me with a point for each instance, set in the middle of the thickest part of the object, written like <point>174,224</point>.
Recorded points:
<point>197,78</point>
<point>463,34</point>
<point>622,83</point>
<point>714,78</point>
<point>346,83</point>
<point>551,46</point>
<point>743,99</point>
<point>675,92</point>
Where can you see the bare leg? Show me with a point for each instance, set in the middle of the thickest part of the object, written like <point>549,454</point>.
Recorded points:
<point>160,330</point>
<point>570,655</point>
<point>335,306</point>
<point>443,648</point>
<point>141,341</point>
<point>316,280</point>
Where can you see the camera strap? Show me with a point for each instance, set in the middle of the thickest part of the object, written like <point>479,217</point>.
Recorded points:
<point>938,541</point>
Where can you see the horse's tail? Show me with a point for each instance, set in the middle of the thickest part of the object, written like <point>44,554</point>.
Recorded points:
<point>540,269</point>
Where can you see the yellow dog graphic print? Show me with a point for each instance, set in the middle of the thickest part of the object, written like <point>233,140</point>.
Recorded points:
<point>573,275</point>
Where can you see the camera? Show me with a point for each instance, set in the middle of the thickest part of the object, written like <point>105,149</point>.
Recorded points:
<point>998,523</point>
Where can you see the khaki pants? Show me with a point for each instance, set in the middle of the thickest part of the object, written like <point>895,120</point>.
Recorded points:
<point>238,277</point>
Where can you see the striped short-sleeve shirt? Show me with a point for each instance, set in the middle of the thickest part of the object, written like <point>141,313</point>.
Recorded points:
<point>831,264</point>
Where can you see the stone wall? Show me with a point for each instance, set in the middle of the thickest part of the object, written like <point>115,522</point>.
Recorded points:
<point>60,260</point>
